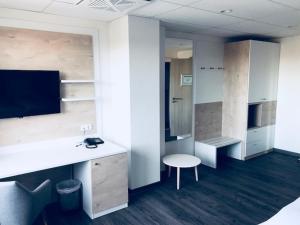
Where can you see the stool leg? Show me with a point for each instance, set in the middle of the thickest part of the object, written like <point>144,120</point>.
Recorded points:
<point>169,174</point>
<point>196,173</point>
<point>178,178</point>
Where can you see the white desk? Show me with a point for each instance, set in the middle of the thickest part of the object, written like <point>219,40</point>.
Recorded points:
<point>21,159</point>
<point>26,158</point>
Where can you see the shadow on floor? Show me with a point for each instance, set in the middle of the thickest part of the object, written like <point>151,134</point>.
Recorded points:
<point>238,192</point>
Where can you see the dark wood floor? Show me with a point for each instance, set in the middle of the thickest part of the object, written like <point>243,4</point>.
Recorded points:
<point>237,193</point>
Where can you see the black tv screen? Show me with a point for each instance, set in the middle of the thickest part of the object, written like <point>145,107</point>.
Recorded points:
<point>29,92</point>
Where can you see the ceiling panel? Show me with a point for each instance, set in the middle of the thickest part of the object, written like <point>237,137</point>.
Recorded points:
<point>285,33</point>
<point>198,17</point>
<point>219,32</point>
<point>253,27</point>
<point>31,5</point>
<point>155,8</point>
<point>290,19</point>
<point>68,1</point>
<point>291,3</point>
<point>181,2</point>
<point>251,9</point>
<point>79,11</point>
<point>178,43</point>
<point>182,27</point>
<point>277,18</point>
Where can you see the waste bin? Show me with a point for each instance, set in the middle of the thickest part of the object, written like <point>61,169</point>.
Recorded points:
<point>69,192</point>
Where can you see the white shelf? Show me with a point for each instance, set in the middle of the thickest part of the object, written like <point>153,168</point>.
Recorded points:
<point>77,99</point>
<point>77,81</point>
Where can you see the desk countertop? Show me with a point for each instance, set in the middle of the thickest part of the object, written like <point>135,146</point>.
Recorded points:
<point>21,159</point>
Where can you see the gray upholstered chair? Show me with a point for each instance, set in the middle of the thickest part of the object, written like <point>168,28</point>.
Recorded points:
<point>20,206</point>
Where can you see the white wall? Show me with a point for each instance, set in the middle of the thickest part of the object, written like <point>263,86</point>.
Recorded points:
<point>209,83</point>
<point>144,51</point>
<point>288,108</point>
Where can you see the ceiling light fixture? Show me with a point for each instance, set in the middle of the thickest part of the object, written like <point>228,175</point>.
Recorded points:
<point>226,11</point>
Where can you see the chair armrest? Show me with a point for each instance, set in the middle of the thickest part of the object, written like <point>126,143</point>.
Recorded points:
<point>22,187</point>
<point>43,192</point>
<point>42,189</point>
<point>40,197</point>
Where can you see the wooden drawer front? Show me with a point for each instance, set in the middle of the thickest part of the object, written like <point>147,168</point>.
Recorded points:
<point>109,182</point>
<point>254,148</point>
<point>257,135</point>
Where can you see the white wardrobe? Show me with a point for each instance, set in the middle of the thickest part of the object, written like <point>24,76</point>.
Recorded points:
<point>250,94</point>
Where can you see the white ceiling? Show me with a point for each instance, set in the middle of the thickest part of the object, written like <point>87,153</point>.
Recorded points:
<point>275,18</point>
<point>178,43</point>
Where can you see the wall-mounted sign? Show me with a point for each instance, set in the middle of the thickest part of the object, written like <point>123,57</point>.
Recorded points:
<point>186,80</point>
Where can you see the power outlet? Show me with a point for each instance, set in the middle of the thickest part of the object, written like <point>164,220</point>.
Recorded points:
<point>86,127</point>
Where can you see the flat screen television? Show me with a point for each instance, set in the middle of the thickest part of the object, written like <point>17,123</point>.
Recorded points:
<point>28,93</point>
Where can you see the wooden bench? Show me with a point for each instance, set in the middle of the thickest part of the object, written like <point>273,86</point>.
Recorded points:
<point>207,150</point>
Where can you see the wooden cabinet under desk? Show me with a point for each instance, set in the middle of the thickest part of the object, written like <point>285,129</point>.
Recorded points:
<point>105,184</point>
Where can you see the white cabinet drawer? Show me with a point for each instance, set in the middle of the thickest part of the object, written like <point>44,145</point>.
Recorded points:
<point>257,135</point>
<point>254,148</point>
<point>259,140</point>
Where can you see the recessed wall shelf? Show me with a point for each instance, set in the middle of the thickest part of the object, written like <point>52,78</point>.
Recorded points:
<point>254,115</point>
<point>77,81</point>
<point>77,99</point>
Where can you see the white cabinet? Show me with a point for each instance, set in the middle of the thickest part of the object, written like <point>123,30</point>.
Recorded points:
<point>250,76</point>
<point>259,140</point>
<point>263,75</point>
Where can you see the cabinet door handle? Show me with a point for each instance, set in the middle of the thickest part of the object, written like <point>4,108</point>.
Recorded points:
<point>97,164</point>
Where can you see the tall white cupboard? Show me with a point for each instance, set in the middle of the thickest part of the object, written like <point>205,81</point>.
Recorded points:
<point>250,94</point>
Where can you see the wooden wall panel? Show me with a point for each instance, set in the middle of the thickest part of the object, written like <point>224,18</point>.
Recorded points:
<point>268,114</point>
<point>236,82</point>
<point>208,120</point>
<point>72,55</point>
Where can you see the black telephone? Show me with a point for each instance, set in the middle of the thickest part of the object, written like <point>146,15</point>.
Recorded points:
<point>93,142</point>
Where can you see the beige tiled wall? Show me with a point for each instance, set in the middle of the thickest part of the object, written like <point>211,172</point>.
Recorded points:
<point>208,120</point>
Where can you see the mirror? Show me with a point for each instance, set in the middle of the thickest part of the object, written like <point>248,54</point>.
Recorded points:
<point>178,88</point>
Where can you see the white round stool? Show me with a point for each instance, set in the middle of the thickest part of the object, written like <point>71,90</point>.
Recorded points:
<point>181,161</point>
